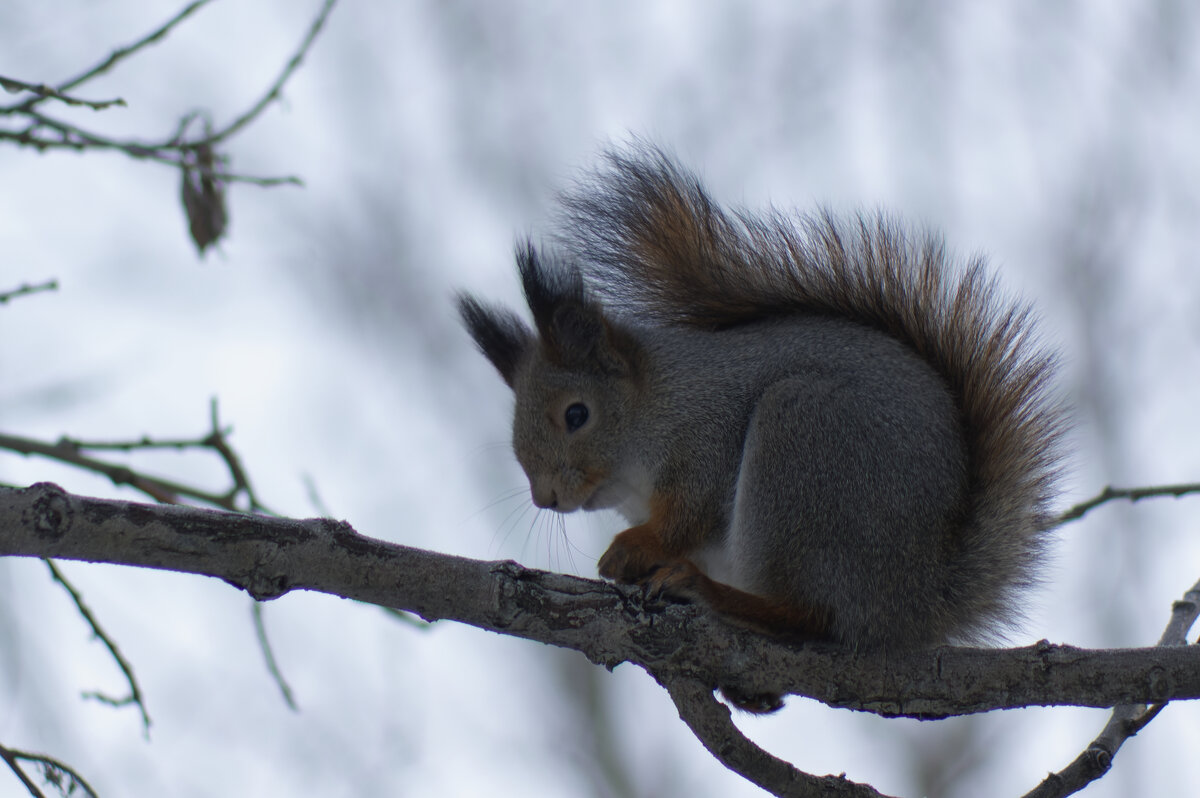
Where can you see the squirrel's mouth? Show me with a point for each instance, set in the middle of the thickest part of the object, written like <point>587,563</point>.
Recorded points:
<point>597,499</point>
<point>604,496</point>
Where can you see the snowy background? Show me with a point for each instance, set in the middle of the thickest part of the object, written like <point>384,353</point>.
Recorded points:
<point>1059,139</point>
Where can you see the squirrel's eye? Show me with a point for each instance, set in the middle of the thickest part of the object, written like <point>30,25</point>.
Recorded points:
<point>576,416</point>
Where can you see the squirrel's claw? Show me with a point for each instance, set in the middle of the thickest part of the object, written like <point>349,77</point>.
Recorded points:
<point>679,580</point>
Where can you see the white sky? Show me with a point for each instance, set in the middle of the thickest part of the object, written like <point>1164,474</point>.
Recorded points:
<point>430,135</point>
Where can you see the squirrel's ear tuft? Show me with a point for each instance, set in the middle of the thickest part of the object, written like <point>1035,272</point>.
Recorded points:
<point>548,287</point>
<point>500,334</point>
<point>574,329</point>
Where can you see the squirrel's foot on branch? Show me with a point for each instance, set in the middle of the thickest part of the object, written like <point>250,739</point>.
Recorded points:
<point>678,580</point>
<point>634,556</point>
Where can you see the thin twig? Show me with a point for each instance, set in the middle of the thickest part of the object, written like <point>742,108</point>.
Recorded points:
<point>70,451</point>
<point>76,139</point>
<point>52,769</point>
<point>260,631</point>
<point>10,757</point>
<point>135,692</point>
<point>217,442</point>
<point>1132,494</point>
<point>120,53</point>
<point>116,56</point>
<point>145,442</point>
<point>164,491</point>
<point>14,86</point>
<point>26,289</point>
<point>175,151</point>
<point>276,89</point>
<point>1126,720</point>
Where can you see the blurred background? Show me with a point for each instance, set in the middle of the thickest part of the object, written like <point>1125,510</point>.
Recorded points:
<point>1059,139</point>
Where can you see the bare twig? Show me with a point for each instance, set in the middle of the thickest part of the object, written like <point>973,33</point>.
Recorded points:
<point>142,443</point>
<point>135,692</point>
<point>217,441</point>
<point>203,168</point>
<point>709,720</point>
<point>26,289</point>
<point>116,56</point>
<point>14,86</point>
<point>10,758</point>
<point>170,150</point>
<point>76,139</point>
<point>1132,494</point>
<point>73,452</point>
<point>65,778</point>
<point>160,490</point>
<point>1126,720</point>
<point>276,89</point>
<point>260,631</point>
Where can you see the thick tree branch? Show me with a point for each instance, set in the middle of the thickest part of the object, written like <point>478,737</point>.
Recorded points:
<point>684,648</point>
<point>608,623</point>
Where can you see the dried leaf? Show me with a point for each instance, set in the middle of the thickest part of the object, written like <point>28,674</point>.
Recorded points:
<point>203,196</point>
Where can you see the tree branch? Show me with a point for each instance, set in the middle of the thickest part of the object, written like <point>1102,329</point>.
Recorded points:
<point>114,57</point>
<point>41,90</point>
<point>135,692</point>
<point>26,289</point>
<point>1126,721</point>
<point>1132,494</point>
<point>610,624</point>
<point>709,720</point>
<point>202,166</point>
<point>276,89</point>
<point>684,648</point>
<point>53,772</point>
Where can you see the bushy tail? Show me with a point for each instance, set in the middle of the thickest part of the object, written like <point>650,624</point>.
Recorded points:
<point>652,243</point>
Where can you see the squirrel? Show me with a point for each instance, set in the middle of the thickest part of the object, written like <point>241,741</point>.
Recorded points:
<point>814,426</point>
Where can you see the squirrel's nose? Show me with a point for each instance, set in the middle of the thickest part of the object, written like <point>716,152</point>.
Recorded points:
<point>546,498</point>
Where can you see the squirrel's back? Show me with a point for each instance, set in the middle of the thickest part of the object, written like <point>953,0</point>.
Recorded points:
<point>653,245</point>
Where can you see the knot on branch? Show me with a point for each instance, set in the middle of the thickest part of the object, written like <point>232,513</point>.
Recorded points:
<point>50,514</point>
<point>262,587</point>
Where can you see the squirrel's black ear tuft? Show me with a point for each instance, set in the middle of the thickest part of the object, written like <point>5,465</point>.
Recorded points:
<point>499,333</point>
<point>573,327</point>
<point>548,287</point>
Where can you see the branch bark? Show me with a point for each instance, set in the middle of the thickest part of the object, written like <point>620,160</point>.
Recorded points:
<point>682,647</point>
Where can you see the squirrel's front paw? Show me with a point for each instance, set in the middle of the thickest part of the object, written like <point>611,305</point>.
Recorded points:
<point>629,561</point>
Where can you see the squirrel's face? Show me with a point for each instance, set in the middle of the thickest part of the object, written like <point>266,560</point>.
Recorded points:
<point>570,432</point>
<point>575,376</point>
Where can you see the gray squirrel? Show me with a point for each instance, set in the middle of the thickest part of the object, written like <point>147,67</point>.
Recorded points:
<point>814,426</point>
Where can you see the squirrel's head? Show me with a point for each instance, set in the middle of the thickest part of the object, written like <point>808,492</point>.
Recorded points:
<point>576,377</point>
